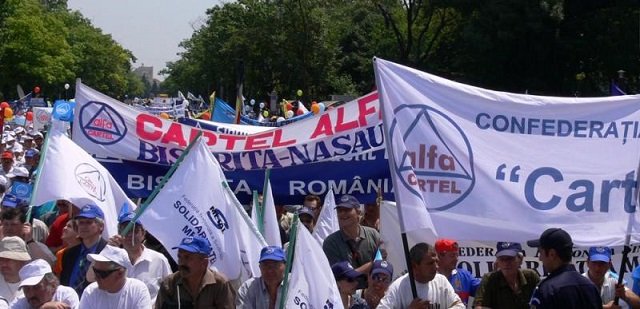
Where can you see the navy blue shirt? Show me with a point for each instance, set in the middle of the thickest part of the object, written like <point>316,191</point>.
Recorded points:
<point>567,289</point>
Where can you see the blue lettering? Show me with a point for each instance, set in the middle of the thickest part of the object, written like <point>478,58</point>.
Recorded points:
<point>587,195</point>
<point>529,188</point>
<point>478,119</point>
<point>548,127</point>
<point>580,126</point>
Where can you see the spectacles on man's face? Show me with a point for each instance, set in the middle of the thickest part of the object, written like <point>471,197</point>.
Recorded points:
<point>104,274</point>
<point>381,279</point>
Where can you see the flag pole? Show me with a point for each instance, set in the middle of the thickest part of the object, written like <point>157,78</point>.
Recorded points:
<point>290,250</point>
<point>36,183</point>
<point>405,243</point>
<point>259,216</point>
<point>157,189</point>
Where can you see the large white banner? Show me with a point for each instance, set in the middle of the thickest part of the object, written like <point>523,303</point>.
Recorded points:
<point>195,202</point>
<point>108,128</point>
<point>475,164</point>
<point>69,173</point>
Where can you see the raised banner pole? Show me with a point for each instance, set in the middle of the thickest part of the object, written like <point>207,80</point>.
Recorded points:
<point>157,189</point>
<point>290,251</point>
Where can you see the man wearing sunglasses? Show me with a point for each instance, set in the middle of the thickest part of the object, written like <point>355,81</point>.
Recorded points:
<point>263,292</point>
<point>380,278</point>
<point>112,288</point>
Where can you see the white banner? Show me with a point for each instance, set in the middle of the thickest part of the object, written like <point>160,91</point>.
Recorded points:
<point>327,221</point>
<point>69,173</point>
<point>41,117</point>
<point>477,164</point>
<point>108,128</point>
<point>311,283</point>
<point>194,202</point>
<point>270,223</point>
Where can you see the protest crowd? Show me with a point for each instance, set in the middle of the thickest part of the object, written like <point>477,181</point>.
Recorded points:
<point>62,254</point>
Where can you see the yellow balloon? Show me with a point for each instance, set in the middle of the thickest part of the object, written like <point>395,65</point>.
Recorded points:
<point>8,112</point>
<point>164,115</point>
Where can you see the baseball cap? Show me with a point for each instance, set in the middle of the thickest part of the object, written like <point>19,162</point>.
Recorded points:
<point>345,270</point>
<point>18,171</point>
<point>10,200</point>
<point>30,153</point>
<point>382,267</point>
<point>32,273</point>
<point>18,130</point>
<point>306,211</point>
<point>272,253</point>
<point>446,245</point>
<point>552,238</point>
<point>195,244</point>
<point>7,155</point>
<point>111,254</point>
<point>128,217</point>
<point>90,211</point>
<point>600,254</point>
<point>348,201</point>
<point>14,248</point>
<point>508,249</point>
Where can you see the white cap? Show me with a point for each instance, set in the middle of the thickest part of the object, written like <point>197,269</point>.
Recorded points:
<point>18,148</point>
<point>14,248</point>
<point>19,171</point>
<point>111,254</point>
<point>4,182</point>
<point>32,273</point>
<point>18,130</point>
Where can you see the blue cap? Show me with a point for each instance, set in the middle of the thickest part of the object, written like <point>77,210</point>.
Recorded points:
<point>195,244</point>
<point>30,153</point>
<point>10,200</point>
<point>600,254</point>
<point>306,211</point>
<point>343,270</point>
<point>272,253</point>
<point>508,249</point>
<point>382,267</point>
<point>128,217</point>
<point>348,201</point>
<point>90,211</point>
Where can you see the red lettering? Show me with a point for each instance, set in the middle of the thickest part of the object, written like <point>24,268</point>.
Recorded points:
<point>258,141</point>
<point>363,111</point>
<point>277,139</point>
<point>323,127</point>
<point>174,134</point>
<point>146,122</point>
<point>231,140</point>
<point>211,137</point>
<point>344,126</point>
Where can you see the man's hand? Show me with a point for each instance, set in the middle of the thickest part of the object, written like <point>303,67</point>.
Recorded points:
<point>610,305</point>
<point>420,304</point>
<point>27,232</point>
<point>55,305</point>
<point>116,240</point>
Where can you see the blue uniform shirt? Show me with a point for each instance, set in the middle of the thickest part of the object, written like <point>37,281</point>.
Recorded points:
<point>567,289</point>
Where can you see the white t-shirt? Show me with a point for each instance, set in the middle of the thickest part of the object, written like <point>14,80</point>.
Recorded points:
<point>10,291</point>
<point>608,290</point>
<point>438,291</point>
<point>150,268</point>
<point>133,295</point>
<point>63,294</point>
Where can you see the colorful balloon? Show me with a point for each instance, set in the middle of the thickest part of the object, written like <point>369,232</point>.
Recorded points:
<point>261,104</point>
<point>29,116</point>
<point>299,112</point>
<point>206,116</point>
<point>322,108</point>
<point>280,119</point>
<point>265,114</point>
<point>4,105</point>
<point>36,89</point>
<point>289,106</point>
<point>315,108</point>
<point>252,102</point>
<point>299,92</point>
<point>8,112</point>
<point>164,115</point>
<point>289,114</point>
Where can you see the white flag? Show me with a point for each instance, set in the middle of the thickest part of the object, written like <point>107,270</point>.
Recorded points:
<point>327,222</point>
<point>270,224</point>
<point>475,164</point>
<point>302,108</point>
<point>311,280</point>
<point>70,173</point>
<point>194,202</point>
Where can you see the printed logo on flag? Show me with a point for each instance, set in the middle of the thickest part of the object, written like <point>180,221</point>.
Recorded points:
<point>43,116</point>
<point>101,123</point>
<point>438,159</point>
<point>218,219</point>
<point>90,179</point>
<point>21,189</point>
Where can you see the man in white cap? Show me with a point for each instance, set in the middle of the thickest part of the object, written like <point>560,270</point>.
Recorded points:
<point>13,255</point>
<point>42,289</point>
<point>113,289</point>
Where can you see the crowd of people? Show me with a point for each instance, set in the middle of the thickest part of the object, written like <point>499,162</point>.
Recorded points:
<point>57,256</point>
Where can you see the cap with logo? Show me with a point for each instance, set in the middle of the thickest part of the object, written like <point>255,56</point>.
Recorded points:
<point>111,254</point>
<point>348,201</point>
<point>343,270</point>
<point>600,254</point>
<point>195,244</point>
<point>10,200</point>
<point>382,267</point>
<point>552,238</point>
<point>508,249</point>
<point>446,245</point>
<point>306,211</point>
<point>32,273</point>
<point>90,211</point>
<point>30,153</point>
<point>272,253</point>
<point>14,248</point>
<point>124,218</point>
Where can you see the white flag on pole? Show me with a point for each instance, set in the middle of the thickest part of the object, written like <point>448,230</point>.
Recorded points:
<point>311,281</point>
<point>327,222</point>
<point>68,172</point>
<point>270,222</point>
<point>475,164</point>
<point>185,207</point>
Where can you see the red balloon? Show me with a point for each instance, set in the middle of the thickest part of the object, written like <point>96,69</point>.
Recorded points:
<point>289,106</point>
<point>4,105</point>
<point>36,89</point>
<point>299,112</point>
<point>29,116</point>
<point>206,116</point>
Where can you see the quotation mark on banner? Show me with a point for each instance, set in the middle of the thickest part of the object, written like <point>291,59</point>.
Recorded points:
<point>513,177</point>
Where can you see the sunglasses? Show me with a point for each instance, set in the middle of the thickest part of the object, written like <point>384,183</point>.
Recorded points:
<point>380,279</point>
<point>103,274</point>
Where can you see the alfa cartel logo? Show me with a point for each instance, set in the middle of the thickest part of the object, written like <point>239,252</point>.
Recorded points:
<point>90,179</point>
<point>101,123</point>
<point>438,160</point>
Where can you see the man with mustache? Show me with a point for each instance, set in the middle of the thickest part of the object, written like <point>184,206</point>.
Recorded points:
<point>195,285</point>
<point>42,288</point>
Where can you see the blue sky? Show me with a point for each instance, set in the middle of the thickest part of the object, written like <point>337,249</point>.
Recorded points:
<point>151,29</point>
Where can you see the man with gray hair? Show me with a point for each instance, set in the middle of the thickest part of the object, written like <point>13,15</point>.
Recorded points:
<point>112,288</point>
<point>42,288</point>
